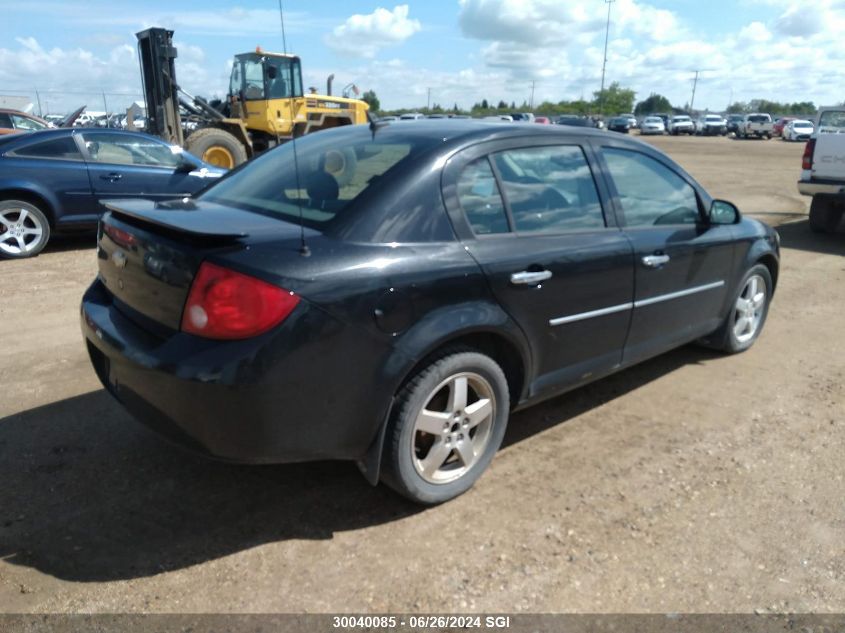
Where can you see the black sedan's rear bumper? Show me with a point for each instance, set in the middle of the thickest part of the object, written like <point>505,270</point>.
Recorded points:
<point>270,399</point>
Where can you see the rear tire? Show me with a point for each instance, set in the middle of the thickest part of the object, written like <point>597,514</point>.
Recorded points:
<point>824,216</point>
<point>216,147</point>
<point>747,315</point>
<point>24,229</point>
<point>448,423</point>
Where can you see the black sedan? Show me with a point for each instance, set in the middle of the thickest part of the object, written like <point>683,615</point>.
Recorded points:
<point>394,298</point>
<point>619,124</point>
<point>53,181</point>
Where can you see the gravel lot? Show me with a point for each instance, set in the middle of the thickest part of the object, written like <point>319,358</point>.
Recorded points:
<point>691,483</point>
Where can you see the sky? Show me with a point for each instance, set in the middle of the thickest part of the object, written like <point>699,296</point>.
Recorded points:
<point>448,51</point>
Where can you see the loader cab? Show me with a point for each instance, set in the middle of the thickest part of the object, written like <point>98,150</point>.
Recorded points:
<point>263,76</point>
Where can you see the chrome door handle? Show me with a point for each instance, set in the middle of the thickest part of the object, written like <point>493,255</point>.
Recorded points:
<point>526,278</point>
<point>655,261</point>
<point>112,177</point>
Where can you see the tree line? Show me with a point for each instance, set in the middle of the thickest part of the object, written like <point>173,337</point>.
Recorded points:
<point>614,100</point>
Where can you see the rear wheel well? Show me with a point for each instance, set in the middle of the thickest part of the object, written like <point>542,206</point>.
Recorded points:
<point>32,198</point>
<point>493,345</point>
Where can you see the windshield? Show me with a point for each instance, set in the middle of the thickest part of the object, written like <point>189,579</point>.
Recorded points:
<point>681,119</point>
<point>258,77</point>
<point>714,118</point>
<point>333,172</point>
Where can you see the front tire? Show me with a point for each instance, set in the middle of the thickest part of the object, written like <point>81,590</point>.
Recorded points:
<point>448,423</point>
<point>745,320</point>
<point>217,147</point>
<point>24,229</point>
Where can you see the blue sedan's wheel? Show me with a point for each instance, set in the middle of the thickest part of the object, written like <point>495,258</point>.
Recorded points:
<point>448,423</point>
<point>24,229</point>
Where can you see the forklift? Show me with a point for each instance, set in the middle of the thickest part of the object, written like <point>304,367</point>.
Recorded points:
<point>265,105</point>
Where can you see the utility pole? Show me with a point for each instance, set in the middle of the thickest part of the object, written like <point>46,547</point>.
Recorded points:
<point>428,100</point>
<point>531,104</point>
<point>604,63</point>
<point>38,99</point>
<point>692,99</point>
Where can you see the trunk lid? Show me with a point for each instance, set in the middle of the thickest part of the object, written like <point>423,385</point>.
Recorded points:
<point>148,253</point>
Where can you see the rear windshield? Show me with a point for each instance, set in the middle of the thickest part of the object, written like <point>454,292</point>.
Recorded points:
<point>758,118</point>
<point>321,180</point>
<point>832,118</point>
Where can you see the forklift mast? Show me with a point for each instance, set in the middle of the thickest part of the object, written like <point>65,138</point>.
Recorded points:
<point>161,92</point>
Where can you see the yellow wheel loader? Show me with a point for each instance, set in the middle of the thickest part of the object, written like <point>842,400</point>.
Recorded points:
<point>265,106</point>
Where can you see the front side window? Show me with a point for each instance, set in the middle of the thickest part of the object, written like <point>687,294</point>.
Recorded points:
<point>479,197</point>
<point>650,193</point>
<point>285,80</point>
<point>125,149</point>
<point>549,189</point>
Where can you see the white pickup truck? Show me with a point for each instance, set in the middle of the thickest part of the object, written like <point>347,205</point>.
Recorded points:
<point>823,170</point>
<point>755,124</point>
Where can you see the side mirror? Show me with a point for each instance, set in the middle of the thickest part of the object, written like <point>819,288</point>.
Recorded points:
<point>187,164</point>
<point>723,212</point>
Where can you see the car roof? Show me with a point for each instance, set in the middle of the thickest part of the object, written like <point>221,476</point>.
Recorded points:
<point>23,114</point>
<point>14,140</point>
<point>467,131</point>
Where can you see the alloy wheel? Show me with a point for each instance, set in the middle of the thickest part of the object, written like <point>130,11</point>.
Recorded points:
<point>21,232</point>
<point>749,308</point>
<point>453,428</point>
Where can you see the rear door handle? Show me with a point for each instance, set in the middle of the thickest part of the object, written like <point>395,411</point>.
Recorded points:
<point>112,177</point>
<point>530,278</point>
<point>655,261</point>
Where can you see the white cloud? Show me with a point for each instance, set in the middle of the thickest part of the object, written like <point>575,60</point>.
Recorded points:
<point>67,78</point>
<point>793,54</point>
<point>365,35</point>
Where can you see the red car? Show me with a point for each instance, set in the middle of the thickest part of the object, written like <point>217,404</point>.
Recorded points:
<point>542,119</point>
<point>777,128</point>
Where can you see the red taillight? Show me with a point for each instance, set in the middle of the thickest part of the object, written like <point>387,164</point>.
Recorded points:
<point>807,160</point>
<point>224,304</point>
<point>119,236</point>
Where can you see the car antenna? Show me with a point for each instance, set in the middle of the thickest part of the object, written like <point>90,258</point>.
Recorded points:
<point>374,123</point>
<point>303,247</point>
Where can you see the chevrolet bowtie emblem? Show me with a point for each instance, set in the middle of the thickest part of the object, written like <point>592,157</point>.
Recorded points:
<point>119,259</point>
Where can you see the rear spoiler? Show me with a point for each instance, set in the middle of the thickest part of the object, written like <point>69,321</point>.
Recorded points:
<point>182,216</point>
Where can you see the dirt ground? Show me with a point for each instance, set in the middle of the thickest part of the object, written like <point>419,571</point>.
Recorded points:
<point>691,483</point>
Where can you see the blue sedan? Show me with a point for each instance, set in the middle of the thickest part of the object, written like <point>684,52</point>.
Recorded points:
<point>53,181</point>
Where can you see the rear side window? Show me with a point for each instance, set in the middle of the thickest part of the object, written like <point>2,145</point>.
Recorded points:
<point>324,177</point>
<point>549,189</point>
<point>5,121</point>
<point>650,193</point>
<point>61,148</point>
<point>478,194</point>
